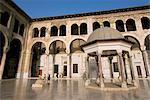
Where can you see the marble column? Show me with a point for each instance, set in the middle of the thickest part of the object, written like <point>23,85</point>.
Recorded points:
<point>20,65</point>
<point>69,65</point>
<point>146,63</point>
<point>26,64</point>
<point>110,58</point>
<point>87,82</point>
<point>100,70</point>
<point>3,63</point>
<point>122,70</point>
<point>128,70</point>
<point>132,70</point>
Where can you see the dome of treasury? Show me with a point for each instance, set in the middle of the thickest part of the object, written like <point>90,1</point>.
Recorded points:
<point>105,33</point>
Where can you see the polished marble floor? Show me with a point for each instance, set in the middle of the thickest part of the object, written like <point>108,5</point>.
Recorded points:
<point>16,89</point>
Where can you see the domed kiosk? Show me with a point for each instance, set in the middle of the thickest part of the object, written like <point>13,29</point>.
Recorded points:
<point>111,52</point>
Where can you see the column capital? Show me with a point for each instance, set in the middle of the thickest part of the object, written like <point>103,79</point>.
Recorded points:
<point>119,52</point>
<point>47,52</point>
<point>143,47</point>
<point>99,52</point>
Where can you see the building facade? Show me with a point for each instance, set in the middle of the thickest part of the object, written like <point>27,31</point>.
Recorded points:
<point>53,45</point>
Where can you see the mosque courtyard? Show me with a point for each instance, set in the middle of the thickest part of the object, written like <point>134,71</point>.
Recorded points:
<point>67,89</point>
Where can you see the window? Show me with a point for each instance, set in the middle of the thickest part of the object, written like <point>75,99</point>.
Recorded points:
<point>96,25</point>
<point>21,31</point>
<point>120,25</point>
<point>35,32</point>
<point>4,18</point>
<point>145,23</point>
<point>106,24</point>
<point>74,29</point>
<point>75,68</point>
<point>83,28</point>
<point>16,26</point>
<point>130,25</point>
<point>62,30</point>
<point>115,65</point>
<point>43,31</point>
<point>54,31</point>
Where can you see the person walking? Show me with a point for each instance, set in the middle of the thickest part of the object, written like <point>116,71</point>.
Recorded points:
<point>49,77</point>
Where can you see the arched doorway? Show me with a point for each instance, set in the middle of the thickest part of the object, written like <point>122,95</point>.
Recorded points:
<point>38,49</point>
<point>2,44</point>
<point>12,59</point>
<point>147,44</point>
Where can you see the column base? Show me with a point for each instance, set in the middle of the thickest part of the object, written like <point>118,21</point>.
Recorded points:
<point>102,84</point>
<point>135,83</point>
<point>87,82</point>
<point>148,76</point>
<point>0,77</point>
<point>129,81</point>
<point>18,75</point>
<point>124,85</point>
<point>25,75</point>
<point>113,80</point>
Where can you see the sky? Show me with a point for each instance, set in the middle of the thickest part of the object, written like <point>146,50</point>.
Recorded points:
<point>46,8</point>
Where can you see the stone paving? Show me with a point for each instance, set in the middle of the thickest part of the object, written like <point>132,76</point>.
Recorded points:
<point>16,89</point>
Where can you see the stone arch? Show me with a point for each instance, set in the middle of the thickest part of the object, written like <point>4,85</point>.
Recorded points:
<point>136,45</point>
<point>83,28</point>
<point>19,38</point>
<point>37,49</point>
<point>54,31</point>
<point>34,42</point>
<point>130,25</point>
<point>145,22</point>
<point>120,25</point>
<point>106,24</point>
<point>74,29</point>
<point>6,39</point>
<point>96,25</point>
<point>62,30</point>
<point>75,45</point>
<point>147,42</point>
<point>57,46</point>
<point>147,45</point>
<point>12,59</point>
